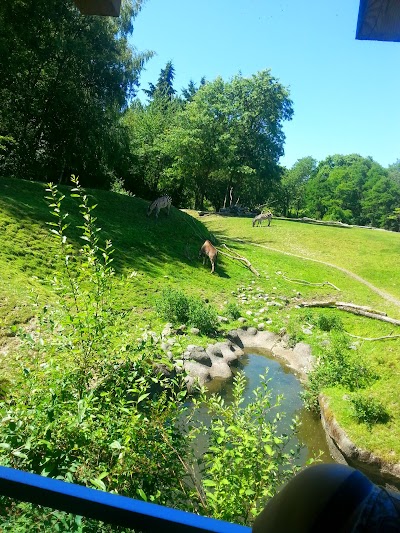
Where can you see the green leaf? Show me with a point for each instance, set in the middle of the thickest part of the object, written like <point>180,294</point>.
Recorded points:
<point>142,494</point>
<point>19,454</point>
<point>98,483</point>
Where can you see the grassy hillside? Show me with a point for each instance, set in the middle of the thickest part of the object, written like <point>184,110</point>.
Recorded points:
<point>150,255</point>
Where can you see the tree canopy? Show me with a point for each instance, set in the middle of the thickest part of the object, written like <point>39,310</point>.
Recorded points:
<point>224,136</point>
<point>65,79</point>
<point>347,188</point>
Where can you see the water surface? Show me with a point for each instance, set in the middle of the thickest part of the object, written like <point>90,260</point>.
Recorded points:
<point>282,381</point>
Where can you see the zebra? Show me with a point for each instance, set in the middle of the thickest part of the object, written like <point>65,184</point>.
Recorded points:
<point>209,250</point>
<point>160,203</point>
<point>264,216</point>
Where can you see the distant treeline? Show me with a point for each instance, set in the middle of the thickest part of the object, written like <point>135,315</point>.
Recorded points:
<point>69,105</point>
<point>346,188</point>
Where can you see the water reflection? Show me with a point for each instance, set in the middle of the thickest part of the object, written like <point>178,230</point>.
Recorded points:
<point>282,382</point>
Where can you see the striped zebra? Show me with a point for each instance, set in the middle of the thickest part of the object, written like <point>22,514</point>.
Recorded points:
<point>160,203</point>
<point>259,218</point>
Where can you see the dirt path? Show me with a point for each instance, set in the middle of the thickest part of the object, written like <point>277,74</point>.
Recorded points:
<point>383,294</point>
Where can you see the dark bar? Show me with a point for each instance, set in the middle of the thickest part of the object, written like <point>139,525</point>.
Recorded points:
<point>109,508</point>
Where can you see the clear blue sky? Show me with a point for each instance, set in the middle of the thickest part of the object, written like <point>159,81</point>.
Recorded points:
<point>346,93</point>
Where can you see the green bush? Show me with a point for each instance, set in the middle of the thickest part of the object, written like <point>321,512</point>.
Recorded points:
<point>246,460</point>
<point>328,322</point>
<point>368,410</point>
<point>202,316</point>
<point>232,311</point>
<point>337,365</point>
<point>175,306</point>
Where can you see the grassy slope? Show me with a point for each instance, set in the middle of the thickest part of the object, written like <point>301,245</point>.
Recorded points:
<point>164,252</point>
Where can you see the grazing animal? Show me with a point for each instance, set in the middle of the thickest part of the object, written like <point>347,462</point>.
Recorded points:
<point>209,250</point>
<point>160,203</point>
<point>264,216</point>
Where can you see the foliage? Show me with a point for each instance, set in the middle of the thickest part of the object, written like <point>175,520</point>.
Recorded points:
<point>92,418</point>
<point>246,460</point>
<point>368,410</point>
<point>66,79</point>
<point>337,365</point>
<point>220,136</point>
<point>175,306</point>
<point>233,311</point>
<point>164,87</point>
<point>293,185</point>
<point>352,189</point>
<point>325,320</point>
<point>118,186</point>
<point>230,136</point>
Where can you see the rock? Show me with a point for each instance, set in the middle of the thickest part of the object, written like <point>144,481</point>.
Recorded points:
<point>220,369</point>
<point>197,371</point>
<point>242,320</point>
<point>302,355</point>
<point>194,331</point>
<point>222,319</point>
<point>197,353</point>
<point>167,330</point>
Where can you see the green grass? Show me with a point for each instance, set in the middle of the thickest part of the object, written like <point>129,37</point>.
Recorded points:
<point>371,254</point>
<point>152,255</point>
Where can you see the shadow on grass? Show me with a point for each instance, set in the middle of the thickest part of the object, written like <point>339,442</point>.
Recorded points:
<point>140,242</point>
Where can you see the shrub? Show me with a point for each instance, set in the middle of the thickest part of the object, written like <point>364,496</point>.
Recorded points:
<point>233,310</point>
<point>202,316</point>
<point>368,410</point>
<point>337,365</point>
<point>246,460</point>
<point>175,306</point>
<point>328,322</point>
<point>118,186</point>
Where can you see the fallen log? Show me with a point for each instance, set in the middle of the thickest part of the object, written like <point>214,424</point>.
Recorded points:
<point>355,309</point>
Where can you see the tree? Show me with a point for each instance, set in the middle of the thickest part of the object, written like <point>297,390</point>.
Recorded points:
<point>352,189</point>
<point>293,185</point>
<point>164,87</point>
<point>65,80</point>
<point>394,171</point>
<point>191,90</point>
<point>229,136</point>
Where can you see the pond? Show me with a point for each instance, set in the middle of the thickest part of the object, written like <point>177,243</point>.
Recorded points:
<point>282,381</point>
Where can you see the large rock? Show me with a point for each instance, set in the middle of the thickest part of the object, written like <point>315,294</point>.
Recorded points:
<point>196,372</point>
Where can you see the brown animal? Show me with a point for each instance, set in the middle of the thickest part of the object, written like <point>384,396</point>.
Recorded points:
<point>209,250</point>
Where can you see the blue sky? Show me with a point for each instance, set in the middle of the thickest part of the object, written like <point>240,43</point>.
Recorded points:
<point>346,93</point>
